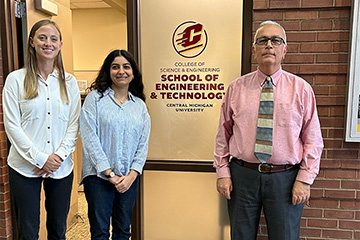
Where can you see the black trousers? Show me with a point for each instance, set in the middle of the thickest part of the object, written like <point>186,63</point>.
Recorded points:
<point>105,203</point>
<point>26,198</point>
<point>272,192</point>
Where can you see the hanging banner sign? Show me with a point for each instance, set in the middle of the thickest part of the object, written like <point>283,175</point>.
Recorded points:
<point>189,53</point>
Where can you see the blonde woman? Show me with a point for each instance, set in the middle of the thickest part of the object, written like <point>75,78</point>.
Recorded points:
<point>41,105</point>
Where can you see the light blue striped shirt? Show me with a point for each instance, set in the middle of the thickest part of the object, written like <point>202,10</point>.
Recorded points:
<point>113,136</point>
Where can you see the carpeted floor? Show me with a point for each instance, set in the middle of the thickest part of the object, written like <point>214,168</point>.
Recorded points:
<point>80,230</point>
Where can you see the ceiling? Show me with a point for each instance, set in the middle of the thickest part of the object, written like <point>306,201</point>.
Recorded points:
<point>119,5</point>
<point>77,4</point>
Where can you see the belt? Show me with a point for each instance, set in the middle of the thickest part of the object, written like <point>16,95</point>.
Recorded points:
<point>264,167</point>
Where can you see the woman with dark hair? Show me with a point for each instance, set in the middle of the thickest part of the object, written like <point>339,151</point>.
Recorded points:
<point>41,104</point>
<point>115,129</point>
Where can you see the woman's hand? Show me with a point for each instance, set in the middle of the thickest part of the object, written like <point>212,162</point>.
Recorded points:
<point>114,180</point>
<point>126,181</point>
<point>51,165</point>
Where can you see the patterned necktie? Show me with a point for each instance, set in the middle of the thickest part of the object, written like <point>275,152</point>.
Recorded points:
<point>264,134</point>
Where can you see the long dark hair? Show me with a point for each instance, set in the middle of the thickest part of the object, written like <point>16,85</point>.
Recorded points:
<point>103,80</point>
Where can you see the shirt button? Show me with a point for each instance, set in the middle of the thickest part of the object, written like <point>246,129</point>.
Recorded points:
<point>48,127</point>
<point>48,99</point>
<point>65,155</point>
<point>48,113</point>
<point>48,141</point>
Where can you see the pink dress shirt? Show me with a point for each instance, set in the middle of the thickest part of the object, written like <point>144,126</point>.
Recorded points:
<point>296,130</point>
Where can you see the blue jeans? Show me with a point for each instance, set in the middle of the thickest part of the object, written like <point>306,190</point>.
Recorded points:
<point>104,201</point>
<point>26,198</point>
<point>272,192</point>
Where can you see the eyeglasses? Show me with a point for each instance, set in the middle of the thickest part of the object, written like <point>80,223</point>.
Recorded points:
<point>276,41</point>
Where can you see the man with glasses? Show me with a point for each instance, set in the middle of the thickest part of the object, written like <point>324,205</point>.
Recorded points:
<point>269,143</point>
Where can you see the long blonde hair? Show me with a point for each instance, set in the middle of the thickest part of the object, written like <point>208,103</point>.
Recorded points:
<point>31,80</point>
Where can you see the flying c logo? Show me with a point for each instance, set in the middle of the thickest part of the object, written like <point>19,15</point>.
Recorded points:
<point>190,39</point>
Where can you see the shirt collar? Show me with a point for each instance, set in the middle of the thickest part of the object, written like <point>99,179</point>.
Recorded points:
<point>275,77</point>
<point>131,97</point>
<point>54,73</point>
<point>110,91</point>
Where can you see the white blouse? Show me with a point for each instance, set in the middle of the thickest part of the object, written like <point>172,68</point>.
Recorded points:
<point>40,126</point>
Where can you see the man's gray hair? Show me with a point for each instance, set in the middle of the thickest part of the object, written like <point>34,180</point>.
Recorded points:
<point>269,22</point>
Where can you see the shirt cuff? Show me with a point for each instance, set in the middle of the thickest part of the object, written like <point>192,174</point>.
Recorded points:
<point>223,172</point>
<point>137,167</point>
<point>102,166</point>
<point>62,154</point>
<point>41,159</point>
<point>305,177</point>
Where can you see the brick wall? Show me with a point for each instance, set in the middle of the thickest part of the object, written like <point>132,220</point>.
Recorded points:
<point>5,212</point>
<point>318,36</point>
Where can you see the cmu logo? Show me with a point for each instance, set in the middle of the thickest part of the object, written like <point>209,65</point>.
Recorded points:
<point>189,39</point>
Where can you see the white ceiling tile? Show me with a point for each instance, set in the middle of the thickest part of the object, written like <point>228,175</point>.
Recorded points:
<point>78,4</point>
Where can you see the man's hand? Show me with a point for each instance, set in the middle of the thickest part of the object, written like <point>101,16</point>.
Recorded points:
<point>224,186</point>
<point>300,192</point>
<point>51,165</point>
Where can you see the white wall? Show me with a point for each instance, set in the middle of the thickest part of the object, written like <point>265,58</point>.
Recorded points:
<point>96,32</point>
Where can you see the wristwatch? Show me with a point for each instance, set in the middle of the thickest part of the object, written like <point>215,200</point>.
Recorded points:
<point>111,174</point>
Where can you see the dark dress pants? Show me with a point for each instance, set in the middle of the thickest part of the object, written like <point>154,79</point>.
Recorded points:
<point>272,192</point>
<point>26,194</point>
<point>105,203</point>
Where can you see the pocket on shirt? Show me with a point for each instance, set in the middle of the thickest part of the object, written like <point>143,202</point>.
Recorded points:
<point>288,115</point>
<point>63,111</point>
<point>28,110</point>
